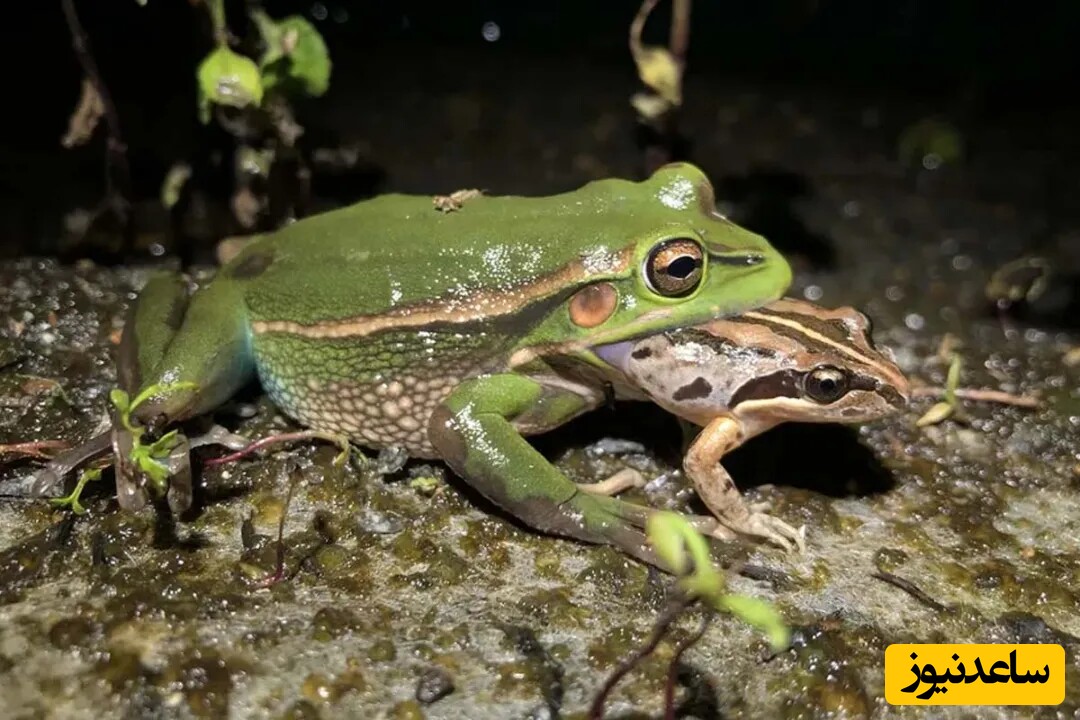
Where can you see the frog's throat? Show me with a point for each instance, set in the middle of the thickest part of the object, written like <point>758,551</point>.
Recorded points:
<point>617,355</point>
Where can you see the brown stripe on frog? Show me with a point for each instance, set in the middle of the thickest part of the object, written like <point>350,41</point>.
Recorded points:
<point>804,333</point>
<point>798,330</point>
<point>788,383</point>
<point>479,306</point>
<point>844,331</point>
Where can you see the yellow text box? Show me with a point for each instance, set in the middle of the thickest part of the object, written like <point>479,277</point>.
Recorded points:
<point>974,674</point>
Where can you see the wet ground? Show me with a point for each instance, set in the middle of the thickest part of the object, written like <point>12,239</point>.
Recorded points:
<point>405,596</point>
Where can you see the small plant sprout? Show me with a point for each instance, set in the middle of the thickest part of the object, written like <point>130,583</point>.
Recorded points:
<point>686,551</point>
<point>659,68</point>
<point>146,457</point>
<point>698,582</point>
<point>72,500</point>
<point>948,407</point>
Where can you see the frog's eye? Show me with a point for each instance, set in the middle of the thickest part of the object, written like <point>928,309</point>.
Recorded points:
<point>674,267</point>
<point>826,384</point>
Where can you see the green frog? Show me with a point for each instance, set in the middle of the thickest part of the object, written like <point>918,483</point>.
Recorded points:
<point>453,330</point>
<point>737,377</point>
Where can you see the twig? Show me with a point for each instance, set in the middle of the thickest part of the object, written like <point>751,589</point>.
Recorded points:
<point>910,588</point>
<point>660,629</point>
<point>673,668</point>
<point>117,172</point>
<point>37,448</point>
<point>679,39</point>
<point>274,440</point>
<point>279,566</point>
<point>638,25</point>
<point>980,395</point>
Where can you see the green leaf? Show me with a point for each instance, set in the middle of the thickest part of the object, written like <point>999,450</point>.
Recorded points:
<point>685,550</point>
<point>952,381</point>
<point>760,614</point>
<point>72,500</point>
<point>666,536</point>
<point>163,445</point>
<point>296,58</point>
<point>161,389</point>
<point>226,78</point>
<point>939,412</point>
<point>173,184</point>
<point>120,399</point>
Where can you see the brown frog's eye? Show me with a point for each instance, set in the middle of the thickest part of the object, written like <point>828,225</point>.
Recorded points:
<point>674,267</point>
<point>826,384</point>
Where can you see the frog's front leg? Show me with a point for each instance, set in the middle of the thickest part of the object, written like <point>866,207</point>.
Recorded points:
<point>474,432</point>
<point>717,490</point>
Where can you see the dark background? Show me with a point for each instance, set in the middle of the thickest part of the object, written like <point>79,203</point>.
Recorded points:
<point>433,106</point>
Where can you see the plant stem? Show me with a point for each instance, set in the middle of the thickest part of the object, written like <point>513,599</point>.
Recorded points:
<point>117,171</point>
<point>980,395</point>
<point>673,668</point>
<point>216,8</point>
<point>667,618</point>
<point>679,39</point>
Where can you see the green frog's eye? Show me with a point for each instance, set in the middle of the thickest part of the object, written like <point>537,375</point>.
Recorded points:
<point>674,267</point>
<point>826,384</point>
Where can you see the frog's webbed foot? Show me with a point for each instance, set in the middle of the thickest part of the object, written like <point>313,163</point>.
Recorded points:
<point>219,435</point>
<point>602,520</point>
<point>620,481</point>
<point>49,480</point>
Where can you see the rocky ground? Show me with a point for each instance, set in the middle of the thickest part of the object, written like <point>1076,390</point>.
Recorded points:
<point>407,597</point>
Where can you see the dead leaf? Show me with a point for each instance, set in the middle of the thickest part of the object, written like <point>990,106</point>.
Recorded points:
<point>454,201</point>
<point>659,70</point>
<point>84,120</point>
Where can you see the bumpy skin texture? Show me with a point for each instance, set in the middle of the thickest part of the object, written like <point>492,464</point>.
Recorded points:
<point>390,322</point>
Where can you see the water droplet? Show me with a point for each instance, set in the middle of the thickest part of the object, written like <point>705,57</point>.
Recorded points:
<point>852,209</point>
<point>914,321</point>
<point>931,161</point>
<point>491,31</point>
<point>318,11</point>
<point>813,293</point>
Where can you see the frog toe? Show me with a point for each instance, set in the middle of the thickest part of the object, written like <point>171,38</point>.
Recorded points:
<point>620,481</point>
<point>774,530</point>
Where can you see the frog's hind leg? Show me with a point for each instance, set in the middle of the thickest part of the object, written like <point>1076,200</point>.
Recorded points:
<point>185,355</point>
